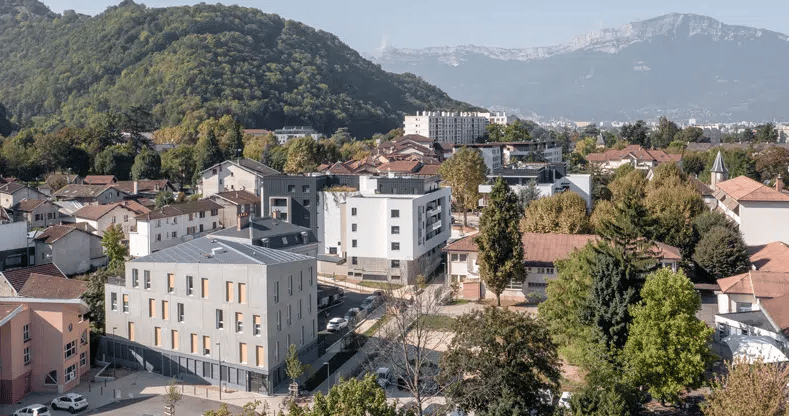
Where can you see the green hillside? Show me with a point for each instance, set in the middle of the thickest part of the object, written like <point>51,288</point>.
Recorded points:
<point>190,63</point>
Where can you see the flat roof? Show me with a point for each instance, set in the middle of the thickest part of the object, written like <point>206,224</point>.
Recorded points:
<point>208,250</point>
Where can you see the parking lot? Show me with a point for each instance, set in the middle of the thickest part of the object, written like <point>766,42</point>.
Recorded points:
<point>350,300</point>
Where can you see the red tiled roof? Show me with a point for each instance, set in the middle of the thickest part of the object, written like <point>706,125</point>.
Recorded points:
<point>144,185</point>
<point>743,188</point>
<point>414,137</point>
<point>28,205</point>
<point>99,179</point>
<point>180,209</point>
<point>239,197</point>
<point>340,168</point>
<point>52,287</point>
<point>758,283</point>
<point>773,257</point>
<point>778,311</point>
<point>18,277</point>
<point>667,252</point>
<point>400,166</point>
<point>429,170</point>
<point>636,151</point>
<point>94,212</point>
<point>55,232</point>
<point>464,244</point>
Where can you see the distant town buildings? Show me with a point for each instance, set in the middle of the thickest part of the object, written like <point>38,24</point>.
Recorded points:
<point>441,126</point>
<point>550,178</point>
<point>633,154</point>
<point>288,133</point>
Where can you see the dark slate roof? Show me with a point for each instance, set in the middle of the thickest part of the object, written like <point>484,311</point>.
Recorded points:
<point>201,250</point>
<point>18,277</point>
<point>272,229</point>
<point>256,166</point>
<point>719,166</point>
<point>52,287</point>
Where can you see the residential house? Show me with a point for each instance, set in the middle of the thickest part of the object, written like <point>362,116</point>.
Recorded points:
<point>234,175</point>
<point>71,247</point>
<point>288,133</point>
<point>44,336</point>
<point>90,194</point>
<point>99,180</point>
<point>38,213</point>
<point>270,233</point>
<point>145,188</point>
<point>541,252</point>
<point>236,204</point>
<point>174,224</point>
<point>184,310</point>
<point>633,154</point>
<point>56,181</point>
<point>550,178</point>
<point>100,217</point>
<point>15,248</point>
<point>13,192</point>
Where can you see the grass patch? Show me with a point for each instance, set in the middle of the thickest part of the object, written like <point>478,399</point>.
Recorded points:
<point>380,285</point>
<point>442,323</point>
<point>377,325</point>
<point>458,302</point>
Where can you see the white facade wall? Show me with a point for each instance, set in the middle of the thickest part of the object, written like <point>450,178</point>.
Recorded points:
<point>727,303</point>
<point>229,177</point>
<point>456,128</point>
<point>332,223</point>
<point>154,235</point>
<point>119,215</point>
<point>13,235</point>
<point>74,253</point>
<point>763,222</point>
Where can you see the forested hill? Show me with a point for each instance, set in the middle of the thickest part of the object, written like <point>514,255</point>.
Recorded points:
<point>183,63</point>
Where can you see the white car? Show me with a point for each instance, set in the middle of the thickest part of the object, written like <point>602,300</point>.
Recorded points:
<point>32,410</point>
<point>336,324</point>
<point>72,402</point>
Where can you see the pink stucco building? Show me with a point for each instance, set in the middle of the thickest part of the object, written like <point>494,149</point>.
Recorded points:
<point>44,339</point>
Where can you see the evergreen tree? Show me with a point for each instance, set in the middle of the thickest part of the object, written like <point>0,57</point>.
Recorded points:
<point>499,241</point>
<point>721,252</point>
<point>529,193</point>
<point>179,164</point>
<point>629,232</point>
<point>147,165</point>
<point>236,141</point>
<point>206,154</point>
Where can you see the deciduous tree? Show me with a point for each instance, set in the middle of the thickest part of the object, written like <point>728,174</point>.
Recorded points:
<point>499,245</point>
<point>561,213</point>
<point>749,388</point>
<point>114,249</point>
<point>668,347</point>
<point>499,354</point>
<point>464,172</point>
<point>178,164</point>
<point>350,397</point>
<point>301,155</point>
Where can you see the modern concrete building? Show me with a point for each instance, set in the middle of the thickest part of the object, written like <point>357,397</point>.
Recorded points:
<point>178,309</point>
<point>287,133</point>
<point>551,179</point>
<point>234,175</point>
<point>16,250</point>
<point>271,233</point>
<point>173,224</point>
<point>455,128</point>
<point>44,338</point>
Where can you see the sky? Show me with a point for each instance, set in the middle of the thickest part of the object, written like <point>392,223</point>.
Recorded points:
<point>366,25</point>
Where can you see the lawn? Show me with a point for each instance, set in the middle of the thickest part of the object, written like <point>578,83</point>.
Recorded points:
<point>438,322</point>
<point>380,285</point>
<point>377,325</point>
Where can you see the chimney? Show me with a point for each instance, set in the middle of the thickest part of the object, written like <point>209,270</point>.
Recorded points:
<point>136,188</point>
<point>779,184</point>
<point>241,221</point>
<point>275,214</point>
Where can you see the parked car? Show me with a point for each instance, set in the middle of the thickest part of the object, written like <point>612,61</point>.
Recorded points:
<point>33,409</point>
<point>384,377</point>
<point>336,324</point>
<point>352,316</point>
<point>72,402</point>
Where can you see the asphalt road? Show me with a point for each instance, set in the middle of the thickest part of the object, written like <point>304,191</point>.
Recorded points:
<point>350,300</point>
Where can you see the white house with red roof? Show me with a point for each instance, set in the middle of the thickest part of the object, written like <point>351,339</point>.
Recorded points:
<point>635,155</point>
<point>760,211</point>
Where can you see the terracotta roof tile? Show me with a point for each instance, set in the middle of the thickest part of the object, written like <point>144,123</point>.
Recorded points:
<point>429,170</point>
<point>144,185</point>
<point>99,179</point>
<point>464,244</point>
<point>52,287</point>
<point>239,197</point>
<point>180,209</point>
<point>743,188</point>
<point>28,205</point>
<point>94,212</point>
<point>773,257</point>
<point>18,277</point>
<point>758,283</point>
<point>55,232</point>
<point>400,166</point>
<point>778,309</point>
<point>11,187</point>
<point>81,191</point>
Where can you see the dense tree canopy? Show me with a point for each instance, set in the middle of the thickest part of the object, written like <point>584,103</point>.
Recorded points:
<point>561,213</point>
<point>721,252</point>
<point>464,172</point>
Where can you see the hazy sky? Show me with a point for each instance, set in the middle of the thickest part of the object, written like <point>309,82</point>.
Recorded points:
<point>366,24</point>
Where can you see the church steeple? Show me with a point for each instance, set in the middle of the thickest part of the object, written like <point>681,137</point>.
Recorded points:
<point>718,173</point>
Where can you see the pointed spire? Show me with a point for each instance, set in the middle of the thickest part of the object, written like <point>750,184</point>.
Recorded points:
<point>719,166</point>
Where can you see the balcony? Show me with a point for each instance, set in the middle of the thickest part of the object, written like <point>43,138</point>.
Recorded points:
<point>436,225</point>
<point>435,211</point>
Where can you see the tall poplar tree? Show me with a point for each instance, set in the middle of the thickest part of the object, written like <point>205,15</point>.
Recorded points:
<point>206,153</point>
<point>499,244</point>
<point>464,172</point>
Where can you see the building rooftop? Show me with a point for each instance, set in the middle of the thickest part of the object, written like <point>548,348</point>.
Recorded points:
<point>99,179</point>
<point>743,188</point>
<point>144,185</point>
<point>239,197</point>
<point>252,166</point>
<point>7,310</point>
<point>81,191</point>
<point>773,257</point>
<point>752,318</point>
<point>760,284</point>
<point>28,205</point>
<point>281,234</point>
<point>634,151</point>
<point>191,207</point>
<point>52,287</point>
<point>778,309</point>
<point>18,277</point>
<point>208,250</point>
<point>11,187</point>
<point>56,232</point>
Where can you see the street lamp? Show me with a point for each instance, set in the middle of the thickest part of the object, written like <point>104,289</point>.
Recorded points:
<point>219,354</point>
<point>328,377</point>
<point>114,365</point>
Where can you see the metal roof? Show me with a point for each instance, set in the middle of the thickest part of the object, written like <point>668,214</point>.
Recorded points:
<point>208,250</point>
<point>719,166</point>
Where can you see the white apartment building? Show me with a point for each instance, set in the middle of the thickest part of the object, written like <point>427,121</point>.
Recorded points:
<point>455,128</point>
<point>174,224</point>
<point>395,228</point>
<point>211,307</point>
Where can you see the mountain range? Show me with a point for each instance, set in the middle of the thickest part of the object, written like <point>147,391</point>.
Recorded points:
<point>184,64</point>
<point>679,65</point>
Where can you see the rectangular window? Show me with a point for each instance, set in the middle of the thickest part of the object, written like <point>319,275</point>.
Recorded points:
<point>180,308</point>
<point>395,229</point>
<point>353,212</point>
<point>204,294</point>
<point>242,353</point>
<point>151,308</point>
<point>395,264</point>
<point>147,278</point>
<point>309,303</point>
<point>190,285</point>
<point>276,292</point>
<point>298,312</point>
<point>291,188</point>
<point>310,282</point>
<point>70,349</point>
<point>26,332</point>
<point>332,250</point>
<point>220,319</point>
<point>454,257</point>
<point>290,314</point>
<point>71,372</point>
<point>114,301</point>
<point>259,357</point>
<point>157,336</point>
<point>170,283</point>
<point>276,352</point>
<point>395,213</point>
<point>193,342</point>
<point>279,320</point>
<point>135,278</point>
<point>242,293</point>
<point>126,303</point>
<point>290,285</point>
<point>256,323</point>
<point>463,257</point>
<point>206,345</point>
<point>83,359</point>
<point>353,243</point>
<point>158,237</point>
<point>130,331</point>
<point>306,203</point>
<point>395,246</point>
<point>174,339</point>
<point>239,322</point>
<point>26,355</point>
<point>301,280</point>
<point>305,188</point>
<point>165,310</point>
<point>353,227</point>
<point>354,261</point>
<point>228,291</point>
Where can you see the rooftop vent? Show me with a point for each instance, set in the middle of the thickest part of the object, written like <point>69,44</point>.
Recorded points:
<point>217,250</point>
